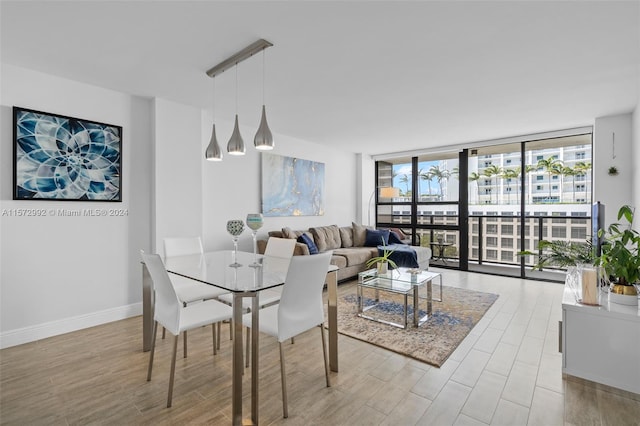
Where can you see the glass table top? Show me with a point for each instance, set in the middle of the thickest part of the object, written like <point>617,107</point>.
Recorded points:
<point>213,268</point>
<point>400,279</point>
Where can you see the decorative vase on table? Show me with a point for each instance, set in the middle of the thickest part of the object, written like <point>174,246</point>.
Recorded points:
<point>254,222</point>
<point>235,228</point>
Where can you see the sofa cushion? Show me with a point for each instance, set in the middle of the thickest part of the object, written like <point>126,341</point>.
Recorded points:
<point>305,239</point>
<point>359,234</point>
<point>376,237</point>
<point>277,234</point>
<point>301,250</point>
<point>346,235</point>
<point>326,237</point>
<point>289,233</point>
<point>339,261</point>
<point>356,255</point>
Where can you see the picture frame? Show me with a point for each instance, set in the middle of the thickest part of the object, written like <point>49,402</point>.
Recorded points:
<point>292,186</point>
<point>62,158</point>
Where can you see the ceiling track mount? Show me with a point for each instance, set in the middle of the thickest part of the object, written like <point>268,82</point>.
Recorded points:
<point>243,54</point>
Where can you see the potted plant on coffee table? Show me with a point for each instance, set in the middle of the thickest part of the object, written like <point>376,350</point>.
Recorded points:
<point>620,258</point>
<point>383,261</point>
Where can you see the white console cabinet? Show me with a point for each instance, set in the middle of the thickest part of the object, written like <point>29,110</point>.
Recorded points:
<point>601,343</point>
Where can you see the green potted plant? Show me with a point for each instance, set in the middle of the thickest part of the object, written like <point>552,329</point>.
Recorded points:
<point>563,254</point>
<point>382,262</point>
<point>620,257</point>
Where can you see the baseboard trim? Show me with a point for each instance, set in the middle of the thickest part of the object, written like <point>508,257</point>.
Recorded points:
<point>55,328</point>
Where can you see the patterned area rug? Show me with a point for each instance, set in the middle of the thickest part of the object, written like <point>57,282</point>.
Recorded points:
<point>434,341</point>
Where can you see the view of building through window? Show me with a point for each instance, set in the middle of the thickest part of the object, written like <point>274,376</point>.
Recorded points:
<point>550,179</point>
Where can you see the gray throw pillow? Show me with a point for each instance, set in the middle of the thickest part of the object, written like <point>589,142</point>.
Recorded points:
<point>359,234</point>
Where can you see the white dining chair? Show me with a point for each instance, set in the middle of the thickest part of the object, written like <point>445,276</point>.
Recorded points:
<point>175,316</point>
<point>189,291</point>
<point>299,310</point>
<point>282,248</point>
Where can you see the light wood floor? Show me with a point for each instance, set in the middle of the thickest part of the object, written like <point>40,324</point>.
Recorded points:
<point>506,372</point>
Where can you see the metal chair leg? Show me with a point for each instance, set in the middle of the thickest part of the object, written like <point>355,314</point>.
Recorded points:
<point>153,349</point>
<point>324,354</point>
<point>173,371</point>
<point>285,410</point>
<point>219,329</point>
<point>184,342</point>
<point>213,330</point>
<point>246,361</point>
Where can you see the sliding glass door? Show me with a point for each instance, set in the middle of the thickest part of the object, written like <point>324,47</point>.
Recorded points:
<point>495,183</point>
<point>522,193</point>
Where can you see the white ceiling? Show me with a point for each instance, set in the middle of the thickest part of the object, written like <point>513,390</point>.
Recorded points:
<point>371,77</point>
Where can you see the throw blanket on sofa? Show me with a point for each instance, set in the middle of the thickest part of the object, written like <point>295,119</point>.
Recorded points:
<point>403,255</point>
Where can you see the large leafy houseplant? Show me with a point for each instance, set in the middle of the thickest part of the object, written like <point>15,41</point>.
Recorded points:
<point>620,256</point>
<point>563,254</point>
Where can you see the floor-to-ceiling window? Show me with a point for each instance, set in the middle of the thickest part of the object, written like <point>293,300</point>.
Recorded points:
<point>425,204</point>
<point>508,197</point>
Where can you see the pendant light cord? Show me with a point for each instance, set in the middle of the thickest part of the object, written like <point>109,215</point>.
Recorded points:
<point>236,88</point>
<point>213,109</point>
<point>264,67</point>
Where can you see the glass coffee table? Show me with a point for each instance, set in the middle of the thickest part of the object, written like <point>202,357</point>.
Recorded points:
<point>404,281</point>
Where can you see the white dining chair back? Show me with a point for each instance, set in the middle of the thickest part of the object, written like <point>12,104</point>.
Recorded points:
<point>280,247</point>
<point>300,307</point>
<point>167,304</point>
<point>182,246</point>
<point>188,291</point>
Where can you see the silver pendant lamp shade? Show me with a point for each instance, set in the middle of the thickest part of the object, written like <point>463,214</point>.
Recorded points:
<point>236,144</point>
<point>213,152</point>
<point>264,139</point>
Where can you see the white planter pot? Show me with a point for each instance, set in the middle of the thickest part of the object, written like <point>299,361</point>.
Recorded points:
<point>623,299</point>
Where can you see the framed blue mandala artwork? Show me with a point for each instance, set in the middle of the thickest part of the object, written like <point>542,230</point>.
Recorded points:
<point>64,158</point>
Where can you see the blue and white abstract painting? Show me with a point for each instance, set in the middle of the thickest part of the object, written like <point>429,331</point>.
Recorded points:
<point>291,186</point>
<point>65,158</point>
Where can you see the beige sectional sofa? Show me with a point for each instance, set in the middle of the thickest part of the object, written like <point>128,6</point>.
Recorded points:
<point>347,244</point>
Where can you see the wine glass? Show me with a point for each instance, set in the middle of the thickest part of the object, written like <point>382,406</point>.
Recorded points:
<point>254,221</point>
<point>235,228</point>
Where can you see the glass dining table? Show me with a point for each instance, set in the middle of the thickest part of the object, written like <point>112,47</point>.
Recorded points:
<point>213,268</point>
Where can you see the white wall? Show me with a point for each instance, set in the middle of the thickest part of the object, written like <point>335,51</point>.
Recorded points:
<point>177,210</point>
<point>635,137</point>
<point>613,191</point>
<point>61,273</point>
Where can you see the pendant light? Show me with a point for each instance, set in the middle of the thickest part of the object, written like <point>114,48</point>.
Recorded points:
<point>213,152</point>
<point>263,140</point>
<point>236,144</point>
